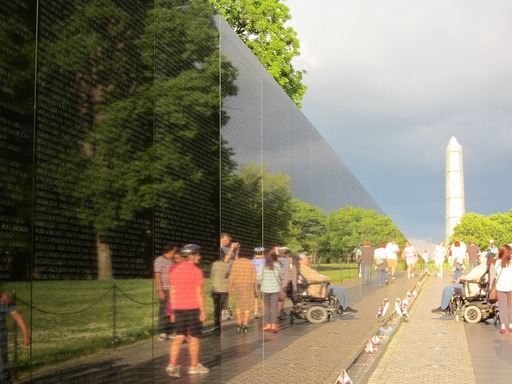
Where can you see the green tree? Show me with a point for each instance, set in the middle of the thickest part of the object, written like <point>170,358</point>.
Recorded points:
<point>261,24</point>
<point>144,137</point>
<point>481,228</point>
<point>349,226</point>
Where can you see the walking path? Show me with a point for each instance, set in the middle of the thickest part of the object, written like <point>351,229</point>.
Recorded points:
<point>424,348</point>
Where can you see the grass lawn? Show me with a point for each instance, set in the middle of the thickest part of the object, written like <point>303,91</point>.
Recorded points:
<point>71,319</point>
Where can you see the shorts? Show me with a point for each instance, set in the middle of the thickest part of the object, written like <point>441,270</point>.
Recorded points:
<point>392,263</point>
<point>186,322</point>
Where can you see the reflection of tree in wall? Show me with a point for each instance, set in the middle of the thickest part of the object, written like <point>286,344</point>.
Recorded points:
<point>256,206</point>
<point>148,106</point>
<point>16,127</point>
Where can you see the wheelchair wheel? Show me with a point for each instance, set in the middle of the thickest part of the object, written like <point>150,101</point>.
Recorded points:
<point>472,314</point>
<point>316,314</point>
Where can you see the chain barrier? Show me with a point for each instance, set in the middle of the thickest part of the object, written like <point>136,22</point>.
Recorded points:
<point>113,289</point>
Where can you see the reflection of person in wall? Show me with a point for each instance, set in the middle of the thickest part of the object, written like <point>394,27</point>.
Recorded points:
<point>7,307</point>
<point>289,283</point>
<point>219,290</point>
<point>318,290</point>
<point>392,252</point>
<point>161,266</point>
<point>228,248</point>
<point>187,299</point>
<point>258,260</point>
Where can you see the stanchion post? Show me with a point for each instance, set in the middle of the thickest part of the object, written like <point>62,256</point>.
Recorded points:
<point>114,314</point>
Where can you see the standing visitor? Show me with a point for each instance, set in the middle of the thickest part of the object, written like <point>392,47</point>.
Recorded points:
<point>258,260</point>
<point>229,249</point>
<point>289,284</point>
<point>219,290</point>
<point>269,276</point>
<point>473,253</point>
<point>440,252</point>
<point>243,283</point>
<point>392,252</point>
<point>425,258</point>
<point>381,264</point>
<point>367,262</point>
<point>501,270</point>
<point>187,298</point>
<point>410,258</point>
<point>162,265</point>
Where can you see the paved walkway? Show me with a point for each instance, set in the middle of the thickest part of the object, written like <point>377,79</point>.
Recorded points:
<point>424,348</point>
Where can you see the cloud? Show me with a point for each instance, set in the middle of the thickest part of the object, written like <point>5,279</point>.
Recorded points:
<point>389,83</point>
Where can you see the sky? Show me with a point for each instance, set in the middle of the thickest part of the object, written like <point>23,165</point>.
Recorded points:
<point>390,82</point>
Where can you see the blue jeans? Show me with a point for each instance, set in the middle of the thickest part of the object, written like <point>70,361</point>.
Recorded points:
<point>366,271</point>
<point>338,291</point>
<point>382,276</point>
<point>448,292</point>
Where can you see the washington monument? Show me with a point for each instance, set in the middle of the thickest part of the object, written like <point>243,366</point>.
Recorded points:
<point>455,205</point>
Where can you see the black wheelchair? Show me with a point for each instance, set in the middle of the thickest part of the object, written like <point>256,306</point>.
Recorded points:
<point>311,308</point>
<point>473,308</point>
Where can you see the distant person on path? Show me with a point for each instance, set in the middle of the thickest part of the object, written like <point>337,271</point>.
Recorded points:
<point>187,298</point>
<point>473,277</point>
<point>367,262</point>
<point>358,260</point>
<point>425,258</point>
<point>439,257</point>
<point>258,260</point>
<point>392,252</point>
<point>289,284</point>
<point>243,283</point>
<point>219,290</point>
<point>492,252</point>
<point>270,276</point>
<point>7,307</point>
<point>161,268</point>
<point>473,252</point>
<point>501,270</point>
<point>410,258</point>
<point>381,264</point>
<point>458,253</point>
<point>318,290</point>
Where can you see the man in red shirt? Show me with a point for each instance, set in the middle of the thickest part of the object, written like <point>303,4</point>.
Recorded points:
<point>187,300</point>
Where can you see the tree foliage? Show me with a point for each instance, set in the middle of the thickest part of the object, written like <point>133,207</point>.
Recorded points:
<point>481,228</point>
<point>261,24</point>
<point>349,226</point>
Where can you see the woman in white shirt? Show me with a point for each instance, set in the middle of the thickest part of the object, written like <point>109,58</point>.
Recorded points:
<point>439,257</point>
<point>501,270</point>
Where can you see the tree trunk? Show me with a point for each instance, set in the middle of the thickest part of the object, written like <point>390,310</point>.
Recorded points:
<point>104,259</point>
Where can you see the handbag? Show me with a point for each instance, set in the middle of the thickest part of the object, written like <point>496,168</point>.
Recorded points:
<point>493,293</point>
<point>282,294</point>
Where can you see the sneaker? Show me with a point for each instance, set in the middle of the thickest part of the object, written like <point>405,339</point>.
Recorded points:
<point>412,275</point>
<point>438,310</point>
<point>198,370</point>
<point>350,310</point>
<point>173,370</point>
<point>360,275</point>
<point>163,337</point>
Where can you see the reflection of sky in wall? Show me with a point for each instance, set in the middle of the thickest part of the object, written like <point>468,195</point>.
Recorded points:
<point>282,136</point>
